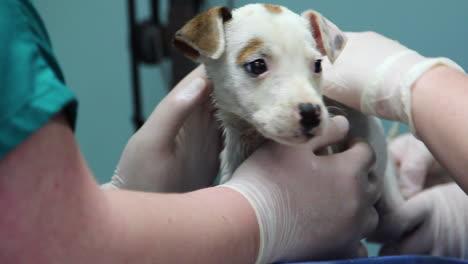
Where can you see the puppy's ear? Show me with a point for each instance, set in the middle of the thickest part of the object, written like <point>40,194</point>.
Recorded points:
<point>330,40</point>
<point>203,36</point>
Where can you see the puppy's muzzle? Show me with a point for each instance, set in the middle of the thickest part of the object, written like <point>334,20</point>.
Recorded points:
<point>310,117</point>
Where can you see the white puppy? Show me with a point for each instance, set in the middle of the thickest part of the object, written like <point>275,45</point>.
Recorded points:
<point>265,63</point>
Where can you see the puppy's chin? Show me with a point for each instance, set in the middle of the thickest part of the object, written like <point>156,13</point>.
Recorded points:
<point>292,140</point>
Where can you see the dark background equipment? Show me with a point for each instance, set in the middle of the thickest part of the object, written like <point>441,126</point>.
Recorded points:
<point>150,43</point>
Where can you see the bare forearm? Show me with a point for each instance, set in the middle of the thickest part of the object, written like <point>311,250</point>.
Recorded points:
<point>441,118</point>
<point>52,211</point>
<point>214,225</point>
<point>51,207</point>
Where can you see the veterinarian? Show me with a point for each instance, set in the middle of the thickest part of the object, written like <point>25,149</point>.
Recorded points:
<point>53,211</point>
<point>381,77</point>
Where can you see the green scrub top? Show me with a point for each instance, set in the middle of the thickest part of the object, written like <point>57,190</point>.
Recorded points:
<point>32,86</point>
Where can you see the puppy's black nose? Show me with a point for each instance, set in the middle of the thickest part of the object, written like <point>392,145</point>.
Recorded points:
<point>310,115</point>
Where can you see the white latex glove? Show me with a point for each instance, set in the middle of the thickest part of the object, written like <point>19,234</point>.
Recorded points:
<point>413,162</point>
<point>310,207</point>
<point>433,222</point>
<point>374,74</point>
<point>416,168</point>
<point>177,148</point>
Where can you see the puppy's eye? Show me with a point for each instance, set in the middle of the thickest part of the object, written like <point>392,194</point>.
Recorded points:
<point>256,67</point>
<point>318,66</point>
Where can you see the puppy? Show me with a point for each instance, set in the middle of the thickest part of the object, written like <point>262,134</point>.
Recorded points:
<point>265,63</point>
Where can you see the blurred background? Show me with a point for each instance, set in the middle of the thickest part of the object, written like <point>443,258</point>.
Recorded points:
<point>91,41</point>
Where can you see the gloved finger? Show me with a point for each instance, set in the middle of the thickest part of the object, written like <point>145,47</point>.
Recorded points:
<point>371,221</point>
<point>115,183</point>
<point>108,186</point>
<point>411,177</point>
<point>360,158</point>
<point>413,161</point>
<point>394,225</point>
<point>361,152</point>
<point>360,251</point>
<point>173,110</point>
<point>413,243</point>
<point>374,186</point>
<point>337,129</point>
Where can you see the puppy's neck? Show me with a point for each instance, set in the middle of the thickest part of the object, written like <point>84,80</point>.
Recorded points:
<point>241,139</point>
<point>246,133</point>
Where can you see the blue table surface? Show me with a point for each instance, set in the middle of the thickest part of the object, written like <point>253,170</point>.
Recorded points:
<point>393,260</point>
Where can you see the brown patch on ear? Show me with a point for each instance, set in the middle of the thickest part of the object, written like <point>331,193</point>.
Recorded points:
<point>225,13</point>
<point>253,46</point>
<point>317,33</point>
<point>204,34</point>
<point>186,49</point>
<point>275,9</point>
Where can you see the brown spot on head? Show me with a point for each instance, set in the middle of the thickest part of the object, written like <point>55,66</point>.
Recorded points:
<point>253,46</point>
<point>273,8</point>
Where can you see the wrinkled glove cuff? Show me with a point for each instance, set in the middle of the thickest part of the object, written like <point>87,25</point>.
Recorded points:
<point>388,93</point>
<point>272,216</point>
<point>114,184</point>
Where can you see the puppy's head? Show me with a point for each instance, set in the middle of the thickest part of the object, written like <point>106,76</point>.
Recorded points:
<point>265,62</point>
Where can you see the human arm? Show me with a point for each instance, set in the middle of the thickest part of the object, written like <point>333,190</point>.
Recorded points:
<point>379,76</point>
<point>54,212</point>
<point>363,193</point>
<point>440,118</point>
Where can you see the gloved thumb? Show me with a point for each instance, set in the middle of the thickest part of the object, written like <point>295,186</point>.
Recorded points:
<point>413,161</point>
<point>394,225</point>
<point>411,177</point>
<point>336,130</point>
<point>362,252</point>
<point>174,109</point>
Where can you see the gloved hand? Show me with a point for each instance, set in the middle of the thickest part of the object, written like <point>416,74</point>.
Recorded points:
<point>177,148</point>
<point>433,222</point>
<point>310,207</point>
<point>375,74</point>
<point>413,162</point>
<point>416,168</point>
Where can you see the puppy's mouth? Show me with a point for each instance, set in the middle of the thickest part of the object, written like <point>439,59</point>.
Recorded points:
<point>308,134</point>
<point>292,126</point>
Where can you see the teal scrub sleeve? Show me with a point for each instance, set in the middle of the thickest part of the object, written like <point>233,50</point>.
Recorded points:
<point>32,87</point>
